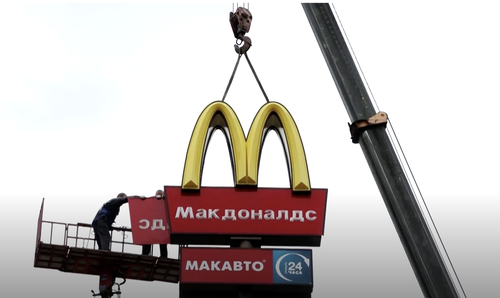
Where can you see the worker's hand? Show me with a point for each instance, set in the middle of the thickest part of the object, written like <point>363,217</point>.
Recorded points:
<point>123,228</point>
<point>143,198</point>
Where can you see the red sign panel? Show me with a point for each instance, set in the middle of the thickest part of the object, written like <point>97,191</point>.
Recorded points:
<point>243,211</point>
<point>223,265</point>
<point>149,221</point>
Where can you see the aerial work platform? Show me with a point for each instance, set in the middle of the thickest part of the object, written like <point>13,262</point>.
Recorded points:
<point>90,261</point>
<point>65,247</point>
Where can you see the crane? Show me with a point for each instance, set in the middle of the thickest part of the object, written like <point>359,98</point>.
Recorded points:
<point>434,274</point>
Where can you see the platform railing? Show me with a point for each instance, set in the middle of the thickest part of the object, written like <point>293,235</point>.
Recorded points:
<point>81,235</point>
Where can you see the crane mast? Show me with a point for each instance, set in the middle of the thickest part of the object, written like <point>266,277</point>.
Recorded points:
<point>424,254</point>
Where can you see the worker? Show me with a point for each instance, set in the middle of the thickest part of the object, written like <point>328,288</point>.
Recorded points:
<point>104,219</point>
<point>146,249</point>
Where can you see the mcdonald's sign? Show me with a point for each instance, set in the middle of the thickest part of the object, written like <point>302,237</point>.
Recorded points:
<point>245,153</point>
<point>278,216</point>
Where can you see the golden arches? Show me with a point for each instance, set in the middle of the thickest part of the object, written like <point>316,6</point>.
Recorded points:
<point>245,153</point>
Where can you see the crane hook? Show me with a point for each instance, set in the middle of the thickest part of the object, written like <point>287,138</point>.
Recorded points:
<point>240,22</point>
<point>247,43</point>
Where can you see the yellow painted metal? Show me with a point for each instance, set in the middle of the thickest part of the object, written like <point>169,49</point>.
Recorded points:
<point>199,142</point>
<point>246,153</point>
<point>295,152</point>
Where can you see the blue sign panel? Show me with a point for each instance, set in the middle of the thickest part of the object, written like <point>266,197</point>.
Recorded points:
<point>292,267</point>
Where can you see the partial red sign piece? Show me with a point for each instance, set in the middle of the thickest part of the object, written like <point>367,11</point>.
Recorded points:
<point>149,221</point>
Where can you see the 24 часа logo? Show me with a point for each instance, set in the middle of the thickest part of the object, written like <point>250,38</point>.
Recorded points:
<point>292,266</point>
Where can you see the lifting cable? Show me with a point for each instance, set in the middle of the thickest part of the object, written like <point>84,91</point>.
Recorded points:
<point>254,73</point>
<point>240,22</point>
<point>404,162</point>
<point>232,77</point>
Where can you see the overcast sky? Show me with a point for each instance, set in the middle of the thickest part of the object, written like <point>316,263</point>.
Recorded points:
<point>97,99</point>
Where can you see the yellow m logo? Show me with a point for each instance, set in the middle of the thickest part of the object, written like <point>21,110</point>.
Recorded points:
<point>245,153</point>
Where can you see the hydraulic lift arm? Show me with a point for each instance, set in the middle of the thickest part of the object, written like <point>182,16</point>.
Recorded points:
<point>416,236</point>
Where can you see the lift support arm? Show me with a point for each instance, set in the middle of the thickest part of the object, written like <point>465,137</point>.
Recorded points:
<point>416,237</point>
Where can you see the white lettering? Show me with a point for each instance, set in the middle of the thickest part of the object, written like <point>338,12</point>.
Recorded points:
<point>269,214</point>
<point>284,213</point>
<point>215,265</point>
<point>226,266</point>
<point>260,266</point>
<point>192,265</point>
<point>184,213</point>
<point>158,224</point>
<point>237,266</point>
<point>146,222</point>
<point>204,266</point>
<point>213,213</point>
<point>201,214</point>
<point>297,215</point>
<point>308,213</point>
<point>241,216</point>
<point>253,214</point>
<point>229,214</point>
<point>247,265</point>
